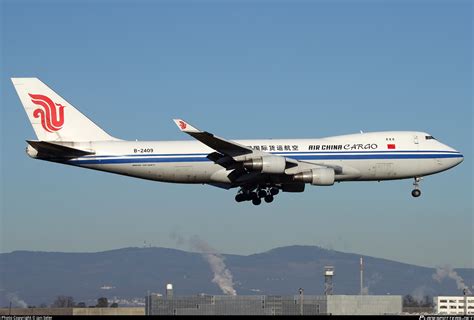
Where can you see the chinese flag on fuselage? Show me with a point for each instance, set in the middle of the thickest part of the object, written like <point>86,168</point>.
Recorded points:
<point>390,146</point>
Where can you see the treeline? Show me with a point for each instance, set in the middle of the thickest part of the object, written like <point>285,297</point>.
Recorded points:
<point>425,302</point>
<point>68,302</point>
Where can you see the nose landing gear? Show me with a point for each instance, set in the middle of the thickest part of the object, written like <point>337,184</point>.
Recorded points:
<point>416,192</point>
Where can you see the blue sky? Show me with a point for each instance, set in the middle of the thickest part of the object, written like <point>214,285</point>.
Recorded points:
<point>241,69</point>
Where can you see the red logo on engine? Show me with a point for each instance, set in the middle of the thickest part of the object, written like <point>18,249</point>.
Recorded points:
<point>182,124</point>
<point>52,119</point>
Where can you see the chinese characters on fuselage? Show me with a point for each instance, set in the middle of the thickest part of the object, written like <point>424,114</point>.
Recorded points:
<point>315,147</point>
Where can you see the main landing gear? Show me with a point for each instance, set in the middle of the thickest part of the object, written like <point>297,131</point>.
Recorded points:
<point>256,196</point>
<point>416,192</point>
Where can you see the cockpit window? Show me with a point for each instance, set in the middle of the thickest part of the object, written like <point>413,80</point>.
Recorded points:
<point>430,138</point>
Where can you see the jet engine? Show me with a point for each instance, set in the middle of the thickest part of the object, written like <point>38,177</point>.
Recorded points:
<point>266,164</point>
<point>317,177</point>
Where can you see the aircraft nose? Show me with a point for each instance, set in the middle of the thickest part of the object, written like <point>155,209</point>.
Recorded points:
<point>460,159</point>
<point>457,158</point>
<point>452,156</point>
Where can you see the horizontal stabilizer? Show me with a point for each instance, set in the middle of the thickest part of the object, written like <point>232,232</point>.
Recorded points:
<point>56,151</point>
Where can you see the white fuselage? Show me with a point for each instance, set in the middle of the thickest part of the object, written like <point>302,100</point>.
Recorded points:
<point>261,168</point>
<point>354,157</point>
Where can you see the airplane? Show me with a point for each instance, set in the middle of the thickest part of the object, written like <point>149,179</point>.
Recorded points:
<point>259,168</point>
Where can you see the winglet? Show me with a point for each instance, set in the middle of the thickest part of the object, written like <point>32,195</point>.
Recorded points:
<point>184,126</point>
<point>221,145</point>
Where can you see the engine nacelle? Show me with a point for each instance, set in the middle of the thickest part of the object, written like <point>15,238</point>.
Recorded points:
<point>266,164</point>
<point>317,177</point>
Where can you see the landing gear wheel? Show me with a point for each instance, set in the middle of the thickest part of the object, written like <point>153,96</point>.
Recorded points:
<point>240,197</point>
<point>256,201</point>
<point>274,191</point>
<point>416,193</point>
<point>262,193</point>
<point>268,198</point>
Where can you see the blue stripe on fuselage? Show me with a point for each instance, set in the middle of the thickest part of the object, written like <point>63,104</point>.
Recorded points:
<point>314,156</point>
<point>276,153</point>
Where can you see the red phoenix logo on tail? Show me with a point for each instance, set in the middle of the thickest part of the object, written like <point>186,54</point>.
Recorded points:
<point>51,119</point>
<point>182,124</point>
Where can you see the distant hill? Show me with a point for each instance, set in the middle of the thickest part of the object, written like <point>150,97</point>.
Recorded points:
<point>38,277</point>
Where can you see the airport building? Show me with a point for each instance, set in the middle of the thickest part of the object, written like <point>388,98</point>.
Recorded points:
<point>454,305</point>
<point>273,305</point>
<point>121,311</point>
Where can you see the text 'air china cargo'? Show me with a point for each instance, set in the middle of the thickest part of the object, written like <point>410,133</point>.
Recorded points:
<point>259,168</point>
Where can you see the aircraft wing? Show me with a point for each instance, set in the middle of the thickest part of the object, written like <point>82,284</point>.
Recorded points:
<point>229,154</point>
<point>221,145</point>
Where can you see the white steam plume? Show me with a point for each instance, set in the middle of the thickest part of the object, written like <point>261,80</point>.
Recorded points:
<point>222,275</point>
<point>421,292</point>
<point>373,280</point>
<point>448,272</point>
<point>17,302</point>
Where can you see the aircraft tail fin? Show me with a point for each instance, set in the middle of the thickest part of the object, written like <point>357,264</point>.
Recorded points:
<point>52,117</point>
